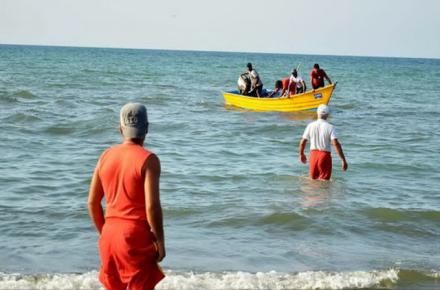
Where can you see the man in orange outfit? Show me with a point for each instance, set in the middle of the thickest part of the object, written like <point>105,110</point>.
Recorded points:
<point>131,241</point>
<point>321,134</point>
<point>317,76</point>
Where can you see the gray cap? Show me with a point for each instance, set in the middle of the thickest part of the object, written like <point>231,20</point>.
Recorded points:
<point>134,120</point>
<point>323,110</point>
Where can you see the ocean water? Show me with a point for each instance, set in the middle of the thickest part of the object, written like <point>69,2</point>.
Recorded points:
<point>239,210</point>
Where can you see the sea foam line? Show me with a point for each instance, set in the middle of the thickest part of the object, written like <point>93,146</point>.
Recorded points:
<point>211,280</point>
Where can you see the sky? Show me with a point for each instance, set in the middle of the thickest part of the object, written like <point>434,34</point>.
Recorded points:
<point>396,28</point>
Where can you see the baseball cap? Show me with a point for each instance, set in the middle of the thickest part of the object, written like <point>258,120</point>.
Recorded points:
<point>323,110</point>
<point>134,120</point>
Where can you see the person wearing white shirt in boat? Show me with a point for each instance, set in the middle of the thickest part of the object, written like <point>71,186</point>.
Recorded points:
<point>256,83</point>
<point>300,85</point>
<point>321,135</point>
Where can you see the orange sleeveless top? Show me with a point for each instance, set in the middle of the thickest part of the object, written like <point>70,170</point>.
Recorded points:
<point>317,77</point>
<point>120,172</point>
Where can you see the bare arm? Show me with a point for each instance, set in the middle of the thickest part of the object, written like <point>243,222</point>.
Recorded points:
<point>340,153</point>
<point>96,193</point>
<point>288,88</point>
<point>303,84</point>
<point>302,146</point>
<point>271,94</point>
<point>328,79</point>
<point>152,202</point>
<point>257,85</point>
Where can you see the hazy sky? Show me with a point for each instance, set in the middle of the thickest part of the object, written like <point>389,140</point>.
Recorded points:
<point>409,28</point>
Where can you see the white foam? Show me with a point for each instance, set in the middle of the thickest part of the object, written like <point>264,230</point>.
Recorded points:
<point>209,280</point>
<point>50,281</point>
<point>434,274</point>
<point>274,280</point>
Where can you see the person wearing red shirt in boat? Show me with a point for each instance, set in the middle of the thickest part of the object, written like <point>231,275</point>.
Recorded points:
<point>296,84</point>
<point>317,76</point>
<point>321,135</point>
<point>288,87</point>
<point>285,83</point>
<point>131,238</point>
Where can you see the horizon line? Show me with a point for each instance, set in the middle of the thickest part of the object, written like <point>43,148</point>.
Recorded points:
<point>217,51</point>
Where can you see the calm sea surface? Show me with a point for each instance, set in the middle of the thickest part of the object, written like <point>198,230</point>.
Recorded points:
<point>240,212</point>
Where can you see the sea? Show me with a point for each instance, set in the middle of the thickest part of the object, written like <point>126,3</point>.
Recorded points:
<point>239,209</point>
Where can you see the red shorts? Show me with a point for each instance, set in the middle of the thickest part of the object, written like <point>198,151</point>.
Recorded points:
<point>128,256</point>
<point>320,164</point>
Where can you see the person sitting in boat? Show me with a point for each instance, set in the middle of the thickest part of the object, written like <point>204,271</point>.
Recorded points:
<point>285,82</point>
<point>317,76</point>
<point>296,84</point>
<point>278,90</point>
<point>256,83</point>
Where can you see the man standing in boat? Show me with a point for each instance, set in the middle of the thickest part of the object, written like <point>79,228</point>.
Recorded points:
<point>317,76</point>
<point>321,134</point>
<point>256,83</point>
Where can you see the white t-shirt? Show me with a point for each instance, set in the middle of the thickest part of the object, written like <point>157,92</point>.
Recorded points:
<point>253,73</point>
<point>320,133</point>
<point>255,78</point>
<point>297,80</point>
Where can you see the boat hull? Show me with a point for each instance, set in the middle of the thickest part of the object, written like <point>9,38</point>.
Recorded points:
<point>307,101</point>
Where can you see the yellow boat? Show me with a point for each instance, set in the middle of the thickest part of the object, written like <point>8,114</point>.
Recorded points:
<point>306,101</point>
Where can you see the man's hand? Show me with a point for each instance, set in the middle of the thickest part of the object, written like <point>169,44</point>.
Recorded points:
<point>160,251</point>
<point>302,145</point>
<point>341,155</point>
<point>344,165</point>
<point>303,158</point>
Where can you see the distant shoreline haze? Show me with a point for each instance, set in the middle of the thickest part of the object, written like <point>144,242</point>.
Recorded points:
<point>218,51</point>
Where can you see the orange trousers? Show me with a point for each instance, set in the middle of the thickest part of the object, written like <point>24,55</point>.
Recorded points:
<point>320,165</point>
<point>128,256</point>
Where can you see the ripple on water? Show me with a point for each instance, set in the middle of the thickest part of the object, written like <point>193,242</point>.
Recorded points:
<point>25,94</point>
<point>407,222</point>
<point>59,130</point>
<point>25,117</point>
<point>287,220</point>
<point>397,215</point>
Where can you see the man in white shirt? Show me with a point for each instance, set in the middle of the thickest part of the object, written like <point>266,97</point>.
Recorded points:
<point>299,86</point>
<point>256,83</point>
<point>321,135</point>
